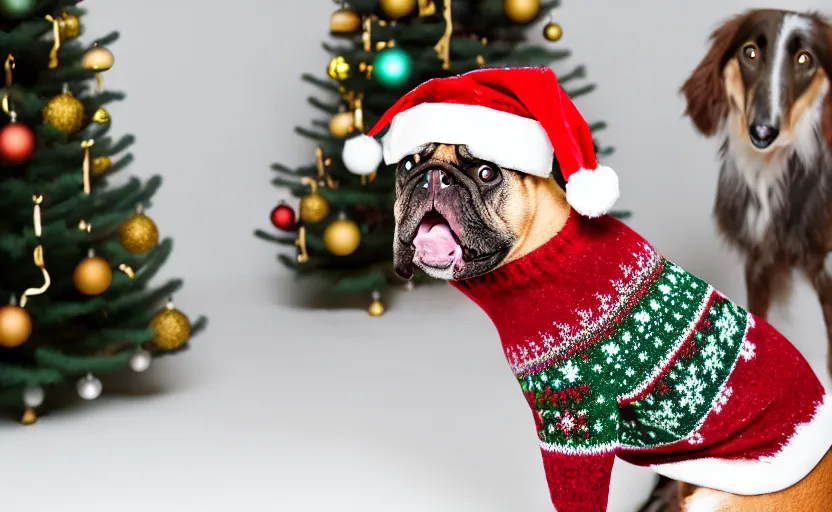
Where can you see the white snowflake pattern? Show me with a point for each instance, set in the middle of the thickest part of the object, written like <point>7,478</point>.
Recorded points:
<point>610,349</point>
<point>588,321</point>
<point>665,417</point>
<point>691,390</point>
<point>722,398</point>
<point>569,371</point>
<point>747,350</point>
<point>696,438</point>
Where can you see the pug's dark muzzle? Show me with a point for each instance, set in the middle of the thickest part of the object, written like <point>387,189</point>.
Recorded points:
<point>445,226</point>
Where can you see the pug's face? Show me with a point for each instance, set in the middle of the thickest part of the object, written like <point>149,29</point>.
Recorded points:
<point>457,216</point>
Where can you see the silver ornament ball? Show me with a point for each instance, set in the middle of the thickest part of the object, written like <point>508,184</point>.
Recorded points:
<point>89,387</point>
<point>140,361</point>
<point>33,396</point>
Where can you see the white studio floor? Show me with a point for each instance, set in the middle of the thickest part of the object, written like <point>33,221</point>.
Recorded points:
<point>280,409</point>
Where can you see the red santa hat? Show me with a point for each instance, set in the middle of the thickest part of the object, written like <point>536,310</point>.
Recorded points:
<point>517,118</point>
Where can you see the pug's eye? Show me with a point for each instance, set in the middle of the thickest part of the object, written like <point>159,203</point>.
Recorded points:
<point>486,173</point>
<point>409,163</point>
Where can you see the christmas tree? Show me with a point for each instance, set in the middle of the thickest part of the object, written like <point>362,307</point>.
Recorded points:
<point>76,255</point>
<point>344,228</point>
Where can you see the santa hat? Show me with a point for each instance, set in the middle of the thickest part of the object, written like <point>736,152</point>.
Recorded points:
<point>517,118</point>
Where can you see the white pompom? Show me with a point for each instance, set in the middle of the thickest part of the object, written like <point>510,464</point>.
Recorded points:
<point>362,155</point>
<point>592,193</point>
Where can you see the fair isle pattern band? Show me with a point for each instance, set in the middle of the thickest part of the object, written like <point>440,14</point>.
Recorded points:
<point>579,450</point>
<point>589,324</point>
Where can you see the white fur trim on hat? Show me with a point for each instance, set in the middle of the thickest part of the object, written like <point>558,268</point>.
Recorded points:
<point>361,155</point>
<point>592,193</point>
<point>508,140</point>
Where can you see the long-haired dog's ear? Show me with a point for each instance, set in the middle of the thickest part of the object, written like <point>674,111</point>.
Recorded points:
<point>827,103</point>
<point>704,91</point>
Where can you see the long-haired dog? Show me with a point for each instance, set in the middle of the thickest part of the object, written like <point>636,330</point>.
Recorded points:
<point>763,89</point>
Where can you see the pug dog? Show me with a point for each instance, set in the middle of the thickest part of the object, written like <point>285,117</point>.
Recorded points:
<point>618,351</point>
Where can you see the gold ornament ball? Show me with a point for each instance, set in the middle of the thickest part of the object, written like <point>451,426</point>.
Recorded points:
<point>93,276</point>
<point>138,234</point>
<point>313,208</point>
<point>171,328</point>
<point>69,26</point>
<point>101,115</point>
<point>65,113</point>
<point>342,237</point>
<point>100,164</point>
<point>521,11</point>
<point>338,68</point>
<point>342,124</point>
<point>376,308</point>
<point>15,326</point>
<point>344,21</point>
<point>98,58</point>
<point>395,9</point>
<point>552,31</point>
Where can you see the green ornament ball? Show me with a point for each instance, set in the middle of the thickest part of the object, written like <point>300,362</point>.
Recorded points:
<point>17,8</point>
<point>392,67</point>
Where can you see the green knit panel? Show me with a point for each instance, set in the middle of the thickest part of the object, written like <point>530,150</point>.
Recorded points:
<point>678,404</point>
<point>576,399</point>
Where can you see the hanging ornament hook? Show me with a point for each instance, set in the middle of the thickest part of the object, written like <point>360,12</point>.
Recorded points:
<point>8,66</point>
<point>86,145</point>
<point>56,45</point>
<point>38,254</point>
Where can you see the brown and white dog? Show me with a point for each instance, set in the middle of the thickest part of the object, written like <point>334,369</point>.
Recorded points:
<point>763,89</point>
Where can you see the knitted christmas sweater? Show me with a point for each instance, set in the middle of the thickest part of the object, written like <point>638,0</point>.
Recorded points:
<point>620,352</point>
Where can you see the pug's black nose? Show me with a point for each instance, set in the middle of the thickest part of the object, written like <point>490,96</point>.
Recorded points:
<point>763,135</point>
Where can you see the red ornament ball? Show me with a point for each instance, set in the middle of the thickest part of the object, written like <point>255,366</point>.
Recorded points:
<point>283,217</point>
<point>17,143</point>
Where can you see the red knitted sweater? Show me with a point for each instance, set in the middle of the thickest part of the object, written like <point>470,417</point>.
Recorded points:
<point>619,352</point>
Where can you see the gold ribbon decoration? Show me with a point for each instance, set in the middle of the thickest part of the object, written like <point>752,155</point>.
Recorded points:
<point>56,45</point>
<point>323,162</point>
<point>303,256</point>
<point>443,47</point>
<point>86,145</point>
<point>8,66</point>
<point>38,255</point>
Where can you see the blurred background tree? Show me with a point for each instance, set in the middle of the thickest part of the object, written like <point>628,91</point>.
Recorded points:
<point>343,228</point>
<point>76,254</point>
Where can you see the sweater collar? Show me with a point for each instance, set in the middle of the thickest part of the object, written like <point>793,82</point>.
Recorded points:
<point>543,264</point>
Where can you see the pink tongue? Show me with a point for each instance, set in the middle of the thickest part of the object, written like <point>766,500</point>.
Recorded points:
<point>435,245</point>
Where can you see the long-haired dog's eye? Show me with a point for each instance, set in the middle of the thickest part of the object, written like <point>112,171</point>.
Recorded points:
<point>803,59</point>
<point>750,51</point>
